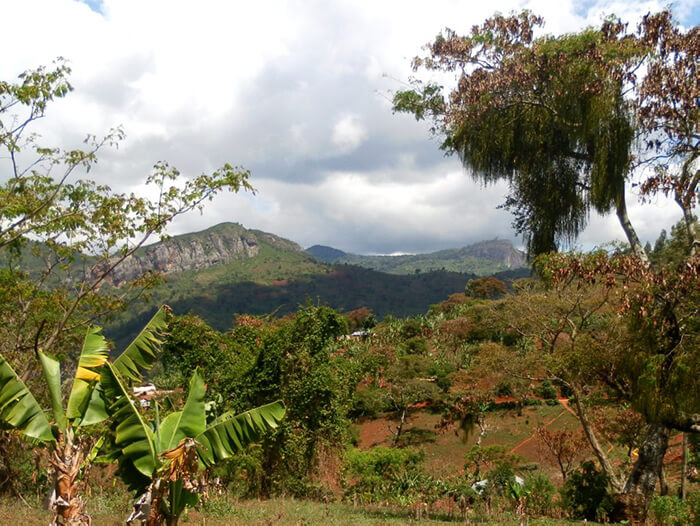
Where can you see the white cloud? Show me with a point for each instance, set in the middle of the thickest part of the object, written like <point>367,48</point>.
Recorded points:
<point>348,133</point>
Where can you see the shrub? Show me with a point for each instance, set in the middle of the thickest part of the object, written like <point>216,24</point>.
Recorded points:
<point>546,390</point>
<point>693,500</point>
<point>369,401</point>
<point>501,478</point>
<point>585,493</point>
<point>416,345</point>
<point>669,511</point>
<point>539,490</point>
<point>504,389</point>
<point>441,372</point>
<point>373,474</point>
<point>411,328</point>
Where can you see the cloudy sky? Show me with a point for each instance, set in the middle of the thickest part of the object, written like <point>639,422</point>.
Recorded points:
<point>298,92</point>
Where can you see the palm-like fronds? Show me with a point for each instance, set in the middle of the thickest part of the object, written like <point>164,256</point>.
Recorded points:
<point>93,356</point>
<point>133,444</point>
<point>189,422</point>
<point>18,407</point>
<point>138,357</point>
<point>230,434</point>
<point>142,353</point>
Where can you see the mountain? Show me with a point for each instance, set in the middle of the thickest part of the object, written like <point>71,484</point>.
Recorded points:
<point>483,258</point>
<point>218,245</point>
<point>228,269</point>
<point>326,254</point>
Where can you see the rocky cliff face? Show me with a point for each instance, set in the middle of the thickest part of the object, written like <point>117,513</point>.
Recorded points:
<point>497,250</point>
<point>217,245</point>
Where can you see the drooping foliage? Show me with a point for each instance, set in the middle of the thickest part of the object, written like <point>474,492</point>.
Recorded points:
<point>548,114</point>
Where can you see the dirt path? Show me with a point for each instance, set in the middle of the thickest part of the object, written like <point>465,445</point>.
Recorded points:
<point>532,436</point>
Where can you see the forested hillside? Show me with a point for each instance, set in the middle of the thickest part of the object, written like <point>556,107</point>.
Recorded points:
<point>483,259</point>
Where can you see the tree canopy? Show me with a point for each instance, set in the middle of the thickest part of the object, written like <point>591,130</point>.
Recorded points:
<point>565,119</point>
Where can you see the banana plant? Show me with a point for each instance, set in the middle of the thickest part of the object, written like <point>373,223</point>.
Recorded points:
<point>62,431</point>
<point>161,460</point>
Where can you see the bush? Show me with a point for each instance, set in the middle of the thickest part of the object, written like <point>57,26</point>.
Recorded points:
<point>416,345</point>
<point>585,493</point>
<point>669,511</point>
<point>441,372</point>
<point>504,389</point>
<point>539,490</point>
<point>693,501</point>
<point>546,390</point>
<point>411,328</point>
<point>369,401</point>
<point>378,473</point>
<point>501,478</point>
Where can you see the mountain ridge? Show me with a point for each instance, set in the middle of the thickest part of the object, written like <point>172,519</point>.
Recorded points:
<point>481,258</point>
<point>219,244</point>
<point>228,269</point>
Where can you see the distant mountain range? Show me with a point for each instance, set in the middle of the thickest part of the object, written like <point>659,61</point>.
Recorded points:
<point>228,269</point>
<point>483,258</point>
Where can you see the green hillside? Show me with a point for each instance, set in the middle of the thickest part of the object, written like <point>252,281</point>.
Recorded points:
<point>483,259</point>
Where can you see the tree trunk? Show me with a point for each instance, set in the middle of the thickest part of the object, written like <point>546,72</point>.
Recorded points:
<point>684,467</point>
<point>593,441</point>
<point>633,502</point>
<point>65,501</point>
<point>399,428</point>
<point>630,232</point>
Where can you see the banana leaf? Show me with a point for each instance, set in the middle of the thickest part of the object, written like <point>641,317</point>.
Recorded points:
<point>18,407</point>
<point>232,433</point>
<point>52,374</point>
<point>143,352</point>
<point>189,422</point>
<point>93,356</point>
<point>139,356</point>
<point>132,440</point>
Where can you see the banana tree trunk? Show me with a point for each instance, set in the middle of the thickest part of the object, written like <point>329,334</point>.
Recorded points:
<point>65,501</point>
<point>633,502</point>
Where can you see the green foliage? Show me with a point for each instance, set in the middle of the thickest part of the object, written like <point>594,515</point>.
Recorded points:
<point>415,345</point>
<point>546,390</point>
<point>411,328</point>
<point>671,251</point>
<point>480,457</point>
<point>501,478</point>
<point>442,372</point>
<point>522,114</point>
<point>159,460</point>
<point>19,408</point>
<point>298,360</point>
<point>539,490</point>
<point>382,473</point>
<point>369,401</point>
<point>669,510</point>
<point>585,493</point>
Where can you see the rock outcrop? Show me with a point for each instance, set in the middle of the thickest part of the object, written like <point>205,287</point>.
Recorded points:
<point>497,250</point>
<point>217,245</point>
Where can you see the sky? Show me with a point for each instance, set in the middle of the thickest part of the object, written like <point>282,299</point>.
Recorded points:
<point>298,92</point>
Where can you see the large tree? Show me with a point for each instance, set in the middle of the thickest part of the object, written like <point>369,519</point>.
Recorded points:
<point>562,118</point>
<point>569,121</point>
